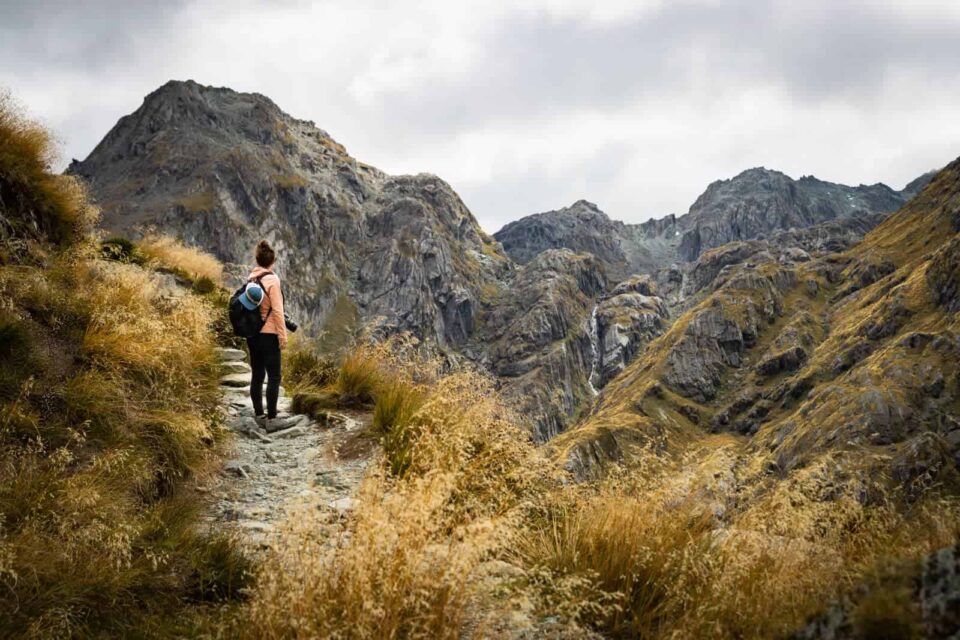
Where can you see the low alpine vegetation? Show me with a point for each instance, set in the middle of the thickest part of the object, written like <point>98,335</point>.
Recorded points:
<point>189,262</point>
<point>406,560</point>
<point>107,397</point>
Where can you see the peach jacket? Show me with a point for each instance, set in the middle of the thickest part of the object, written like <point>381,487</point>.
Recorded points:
<point>273,300</point>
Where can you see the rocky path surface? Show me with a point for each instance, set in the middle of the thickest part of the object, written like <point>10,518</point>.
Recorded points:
<point>267,475</point>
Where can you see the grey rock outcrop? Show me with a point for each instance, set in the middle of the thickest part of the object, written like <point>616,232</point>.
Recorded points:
<point>760,202</point>
<point>535,335</point>
<point>915,602</point>
<point>943,276</point>
<point>580,227</point>
<point>629,318</point>
<point>357,248</point>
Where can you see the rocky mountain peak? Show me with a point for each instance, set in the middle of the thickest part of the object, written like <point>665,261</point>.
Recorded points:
<point>584,206</point>
<point>581,227</point>
<point>222,169</point>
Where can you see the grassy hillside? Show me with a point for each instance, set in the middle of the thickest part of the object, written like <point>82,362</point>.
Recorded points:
<point>804,415</point>
<point>108,393</point>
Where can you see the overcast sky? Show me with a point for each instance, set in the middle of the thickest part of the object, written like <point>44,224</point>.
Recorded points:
<point>529,106</point>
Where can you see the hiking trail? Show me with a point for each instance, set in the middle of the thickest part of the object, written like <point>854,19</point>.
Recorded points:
<point>267,475</point>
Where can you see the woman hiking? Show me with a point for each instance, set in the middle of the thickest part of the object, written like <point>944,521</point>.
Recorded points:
<point>265,347</point>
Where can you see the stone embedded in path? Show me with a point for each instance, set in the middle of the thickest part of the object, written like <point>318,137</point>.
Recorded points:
<point>233,367</point>
<point>248,427</point>
<point>292,432</point>
<point>237,380</point>
<point>254,525</point>
<point>240,424</point>
<point>281,422</point>
<point>227,354</point>
<point>235,468</point>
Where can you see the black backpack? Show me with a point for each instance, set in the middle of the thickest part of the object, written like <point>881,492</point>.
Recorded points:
<point>247,322</point>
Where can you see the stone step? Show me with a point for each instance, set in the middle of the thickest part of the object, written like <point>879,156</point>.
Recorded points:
<point>238,389</point>
<point>227,354</point>
<point>238,380</point>
<point>233,367</point>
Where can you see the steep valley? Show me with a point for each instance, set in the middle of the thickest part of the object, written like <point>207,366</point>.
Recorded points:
<point>372,253</point>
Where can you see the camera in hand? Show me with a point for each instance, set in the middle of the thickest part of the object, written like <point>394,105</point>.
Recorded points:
<point>290,322</point>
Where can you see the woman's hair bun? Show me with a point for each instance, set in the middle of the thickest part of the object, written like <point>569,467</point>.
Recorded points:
<point>265,254</point>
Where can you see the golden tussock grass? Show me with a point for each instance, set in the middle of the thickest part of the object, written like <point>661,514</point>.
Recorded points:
<point>463,530</point>
<point>106,412</point>
<point>97,437</point>
<point>33,200</point>
<point>679,558</point>
<point>174,255</point>
<point>402,564</point>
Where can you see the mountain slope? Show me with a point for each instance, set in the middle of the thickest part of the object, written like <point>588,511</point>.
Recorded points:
<point>852,355</point>
<point>357,249</point>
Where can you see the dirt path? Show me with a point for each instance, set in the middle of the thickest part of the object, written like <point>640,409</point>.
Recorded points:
<point>267,475</point>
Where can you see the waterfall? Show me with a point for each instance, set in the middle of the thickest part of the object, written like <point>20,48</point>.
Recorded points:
<point>595,350</point>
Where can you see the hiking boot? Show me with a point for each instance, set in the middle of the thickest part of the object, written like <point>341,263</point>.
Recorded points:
<point>261,421</point>
<point>278,423</point>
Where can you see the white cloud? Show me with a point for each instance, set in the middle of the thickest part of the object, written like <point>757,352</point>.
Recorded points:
<point>526,106</point>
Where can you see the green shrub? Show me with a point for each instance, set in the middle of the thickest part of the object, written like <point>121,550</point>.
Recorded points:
<point>121,250</point>
<point>221,571</point>
<point>204,285</point>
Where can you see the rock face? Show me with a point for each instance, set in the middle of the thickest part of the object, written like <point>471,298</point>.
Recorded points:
<point>357,248</point>
<point>757,204</point>
<point>362,249</point>
<point>222,169</point>
<point>579,227</point>
<point>536,336</point>
<point>623,249</point>
<point>760,202</point>
<point>627,319</point>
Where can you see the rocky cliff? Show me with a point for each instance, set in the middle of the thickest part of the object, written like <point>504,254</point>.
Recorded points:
<point>362,249</point>
<point>535,334</point>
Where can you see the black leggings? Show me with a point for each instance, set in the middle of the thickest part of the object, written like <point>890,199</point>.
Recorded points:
<point>265,361</point>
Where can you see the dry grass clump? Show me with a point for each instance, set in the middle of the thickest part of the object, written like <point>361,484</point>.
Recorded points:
<point>392,375</point>
<point>403,564</point>
<point>111,410</point>
<point>678,559</point>
<point>188,261</point>
<point>34,202</point>
<point>304,368</point>
<point>394,420</point>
